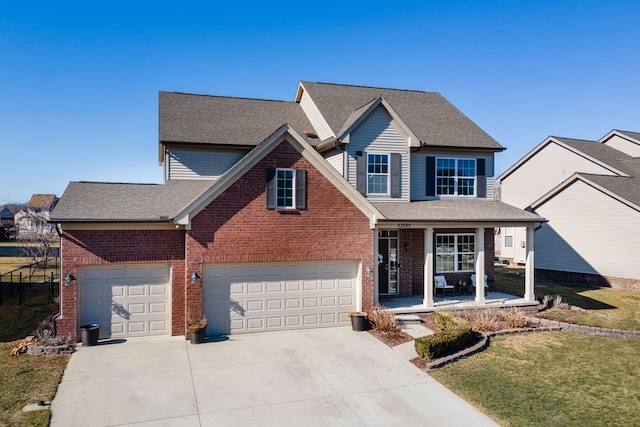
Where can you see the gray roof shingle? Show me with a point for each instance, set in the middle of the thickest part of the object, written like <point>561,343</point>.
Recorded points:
<point>429,115</point>
<point>99,201</point>
<point>455,211</point>
<point>599,151</point>
<point>204,119</point>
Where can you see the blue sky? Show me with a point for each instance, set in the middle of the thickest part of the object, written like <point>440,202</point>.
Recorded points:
<point>79,83</point>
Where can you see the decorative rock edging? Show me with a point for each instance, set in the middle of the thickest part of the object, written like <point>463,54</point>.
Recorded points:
<point>38,350</point>
<point>584,329</point>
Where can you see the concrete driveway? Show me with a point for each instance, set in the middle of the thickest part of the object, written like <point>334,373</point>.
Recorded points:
<point>323,377</point>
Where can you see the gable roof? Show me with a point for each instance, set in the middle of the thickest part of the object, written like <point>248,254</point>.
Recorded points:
<point>42,201</point>
<point>205,119</point>
<point>255,155</point>
<point>433,119</point>
<point>121,202</point>
<point>601,154</point>
<point>635,136</point>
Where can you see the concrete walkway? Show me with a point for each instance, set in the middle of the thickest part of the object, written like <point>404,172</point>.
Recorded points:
<point>322,377</point>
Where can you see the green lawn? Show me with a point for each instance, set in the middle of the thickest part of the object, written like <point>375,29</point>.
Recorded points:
<point>26,379</point>
<point>551,379</point>
<point>604,307</point>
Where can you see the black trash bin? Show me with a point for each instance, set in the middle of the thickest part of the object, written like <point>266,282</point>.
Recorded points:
<point>89,334</point>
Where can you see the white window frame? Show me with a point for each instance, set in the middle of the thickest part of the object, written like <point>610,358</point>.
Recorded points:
<point>457,252</point>
<point>386,174</point>
<point>281,180</point>
<point>508,233</point>
<point>457,177</point>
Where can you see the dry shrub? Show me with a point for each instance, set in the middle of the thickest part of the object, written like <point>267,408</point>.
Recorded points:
<point>485,320</point>
<point>514,318</point>
<point>383,320</point>
<point>558,303</point>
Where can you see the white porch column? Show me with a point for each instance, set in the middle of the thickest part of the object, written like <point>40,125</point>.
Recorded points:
<point>529,269</point>
<point>428,267</point>
<point>374,266</point>
<point>480,265</point>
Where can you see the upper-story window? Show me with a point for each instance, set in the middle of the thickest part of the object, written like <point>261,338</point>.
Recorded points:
<point>455,177</point>
<point>377,174</point>
<point>284,188</point>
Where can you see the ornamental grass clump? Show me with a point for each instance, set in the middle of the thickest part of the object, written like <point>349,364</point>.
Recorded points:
<point>383,320</point>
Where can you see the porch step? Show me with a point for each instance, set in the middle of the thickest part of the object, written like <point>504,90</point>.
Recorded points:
<point>408,319</point>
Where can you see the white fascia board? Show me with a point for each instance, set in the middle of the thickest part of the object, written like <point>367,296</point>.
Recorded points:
<point>545,143</point>
<point>579,177</point>
<point>412,139</point>
<point>619,133</point>
<point>254,156</point>
<point>297,99</point>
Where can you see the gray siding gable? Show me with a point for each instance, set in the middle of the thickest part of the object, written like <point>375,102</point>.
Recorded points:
<point>378,134</point>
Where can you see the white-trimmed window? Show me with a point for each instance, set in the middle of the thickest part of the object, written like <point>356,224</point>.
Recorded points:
<point>455,177</point>
<point>377,173</point>
<point>455,252</point>
<point>285,182</point>
<point>508,237</point>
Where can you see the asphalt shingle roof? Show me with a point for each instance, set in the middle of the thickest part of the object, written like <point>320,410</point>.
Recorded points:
<point>429,115</point>
<point>188,118</point>
<point>601,152</point>
<point>99,201</point>
<point>455,211</point>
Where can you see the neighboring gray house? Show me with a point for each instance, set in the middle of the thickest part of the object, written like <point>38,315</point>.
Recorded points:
<point>590,193</point>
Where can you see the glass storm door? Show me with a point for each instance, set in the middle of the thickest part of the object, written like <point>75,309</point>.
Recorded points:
<point>387,262</point>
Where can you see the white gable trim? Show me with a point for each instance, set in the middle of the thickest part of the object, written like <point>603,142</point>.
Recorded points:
<point>621,134</point>
<point>285,132</point>
<point>552,140</point>
<point>412,139</point>
<point>324,124</point>
<point>579,177</point>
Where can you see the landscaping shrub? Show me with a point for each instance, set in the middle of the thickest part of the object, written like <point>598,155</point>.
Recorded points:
<point>456,334</point>
<point>485,320</point>
<point>514,318</point>
<point>383,320</point>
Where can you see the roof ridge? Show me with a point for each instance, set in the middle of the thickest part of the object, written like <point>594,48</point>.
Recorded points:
<point>228,97</point>
<point>373,87</point>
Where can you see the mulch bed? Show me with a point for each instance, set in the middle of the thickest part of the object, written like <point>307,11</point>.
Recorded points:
<point>392,339</point>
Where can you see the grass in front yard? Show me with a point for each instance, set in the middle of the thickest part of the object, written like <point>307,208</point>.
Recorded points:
<point>27,379</point>
<point>605,307</point>
<point>551,379</point>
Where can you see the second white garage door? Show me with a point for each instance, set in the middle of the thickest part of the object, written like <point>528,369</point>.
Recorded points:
<point>276,296</point>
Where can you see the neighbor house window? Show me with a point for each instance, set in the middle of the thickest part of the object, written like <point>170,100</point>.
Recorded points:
<point>455,177</point>
<point>508,237</point>
<point>455,252</point>
<point>284,188</point>
<point>377,174</point>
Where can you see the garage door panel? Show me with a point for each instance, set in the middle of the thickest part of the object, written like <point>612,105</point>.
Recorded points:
<point>253,297</point>
<point>126,300</point>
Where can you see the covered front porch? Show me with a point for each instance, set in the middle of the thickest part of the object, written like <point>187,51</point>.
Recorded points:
<point>420,244</point>
<point>415,304</point>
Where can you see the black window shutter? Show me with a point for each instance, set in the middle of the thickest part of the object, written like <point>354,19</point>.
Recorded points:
<point>361,173</point>
<point>396,169</point>
<point>482,179</point>
<point>431,176</point>
<point>271,188</point>
<point>301,189</point>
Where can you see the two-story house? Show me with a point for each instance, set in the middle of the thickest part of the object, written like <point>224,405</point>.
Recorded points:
<point>589,192</point>
<point>33,220</point>
<point>286,214</point>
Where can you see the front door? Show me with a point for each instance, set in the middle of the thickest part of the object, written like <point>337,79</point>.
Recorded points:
<point>388,262</point>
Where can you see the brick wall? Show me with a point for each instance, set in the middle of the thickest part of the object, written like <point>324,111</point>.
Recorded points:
<point>412,261</point>
<point>237,227</point>
<point>93,247</point>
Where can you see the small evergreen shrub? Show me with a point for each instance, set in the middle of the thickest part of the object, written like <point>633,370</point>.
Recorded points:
<point>456,334</point>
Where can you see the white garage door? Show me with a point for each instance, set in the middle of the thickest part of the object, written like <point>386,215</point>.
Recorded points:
<point>276,296</point>
<point>126,300</point>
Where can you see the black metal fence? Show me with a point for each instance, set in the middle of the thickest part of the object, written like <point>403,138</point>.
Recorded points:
<point>29,289</point>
